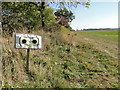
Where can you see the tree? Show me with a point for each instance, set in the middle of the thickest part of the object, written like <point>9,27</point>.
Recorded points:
<point>64,16</point>
<point>24,14</point>
<point>43,5</point>
<point>41,9</point>
<point>31,15</point>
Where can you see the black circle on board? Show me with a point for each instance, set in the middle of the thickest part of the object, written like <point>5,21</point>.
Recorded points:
<point>24,41</point>
<point>34,41</point>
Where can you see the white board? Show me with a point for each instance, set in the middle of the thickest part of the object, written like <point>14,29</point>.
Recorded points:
<point>28,41</point>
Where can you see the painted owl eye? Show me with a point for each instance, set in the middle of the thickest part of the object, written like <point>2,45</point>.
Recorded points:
<point>35,41</point>
<point>24,41</point>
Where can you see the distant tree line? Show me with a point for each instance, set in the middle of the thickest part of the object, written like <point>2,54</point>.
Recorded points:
<point>101,29</point>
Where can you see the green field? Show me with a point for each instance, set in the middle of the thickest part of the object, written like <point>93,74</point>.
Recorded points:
<point>108,35</point>
<point>84,59</point>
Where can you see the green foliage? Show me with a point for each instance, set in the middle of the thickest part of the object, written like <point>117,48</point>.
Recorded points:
<point>65,13</point>
<point>11,86</point>
<point>17,15</point>
<point>74,4</point>
<point>65,16</point>
<point>49,19</point>
<point>33,15</point>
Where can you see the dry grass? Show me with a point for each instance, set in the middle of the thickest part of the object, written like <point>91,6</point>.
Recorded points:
<point>67,60</point>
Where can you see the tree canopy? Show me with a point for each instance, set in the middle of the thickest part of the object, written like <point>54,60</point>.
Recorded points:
<point>65,13</point>
<point>34,15</point>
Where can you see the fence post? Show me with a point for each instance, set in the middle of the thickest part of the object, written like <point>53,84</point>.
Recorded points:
<point>27,61</point>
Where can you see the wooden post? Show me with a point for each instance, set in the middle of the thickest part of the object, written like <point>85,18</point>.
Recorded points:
<point>27,62</point>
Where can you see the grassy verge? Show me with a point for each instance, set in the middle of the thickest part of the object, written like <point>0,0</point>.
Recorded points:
<point>67,60</point>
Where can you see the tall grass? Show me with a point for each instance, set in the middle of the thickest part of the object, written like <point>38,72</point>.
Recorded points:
<point>65,61</point>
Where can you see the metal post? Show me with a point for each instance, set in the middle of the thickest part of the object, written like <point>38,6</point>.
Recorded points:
<point>27,62</point>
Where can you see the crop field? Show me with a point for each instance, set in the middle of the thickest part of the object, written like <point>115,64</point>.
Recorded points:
<point>82,59</point>
<point>103,34</point>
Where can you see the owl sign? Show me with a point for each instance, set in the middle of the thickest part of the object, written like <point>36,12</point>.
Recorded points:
<point>28,41</point>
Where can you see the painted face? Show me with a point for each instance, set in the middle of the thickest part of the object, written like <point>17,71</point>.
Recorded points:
<point>28,41</point>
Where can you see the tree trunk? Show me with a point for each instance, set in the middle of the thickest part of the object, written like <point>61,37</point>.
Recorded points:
<point>42,14</point>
